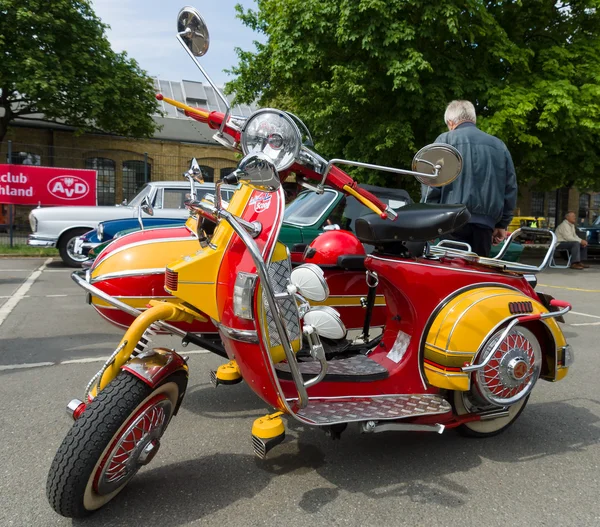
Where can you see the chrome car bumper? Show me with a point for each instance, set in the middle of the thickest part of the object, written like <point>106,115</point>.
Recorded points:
<point>41,241</point>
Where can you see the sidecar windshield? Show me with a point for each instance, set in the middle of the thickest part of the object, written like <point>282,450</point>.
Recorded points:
<point>308,207</point>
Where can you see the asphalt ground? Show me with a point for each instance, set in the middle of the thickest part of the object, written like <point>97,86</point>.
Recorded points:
<point>545,470</point>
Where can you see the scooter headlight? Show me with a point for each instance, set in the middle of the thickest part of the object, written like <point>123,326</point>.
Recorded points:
<point>273,133</point>
<point>243,295</point>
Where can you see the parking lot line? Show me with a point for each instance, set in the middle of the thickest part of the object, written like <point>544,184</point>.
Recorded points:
<point>583,314</point>
<point>11,303</point>
<point>570,288</point>
<point>86,360</point>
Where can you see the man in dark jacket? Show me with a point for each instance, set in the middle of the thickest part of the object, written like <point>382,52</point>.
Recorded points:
<point>487,184</point>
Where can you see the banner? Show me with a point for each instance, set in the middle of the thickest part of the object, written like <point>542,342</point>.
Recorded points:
<point>33,185</point>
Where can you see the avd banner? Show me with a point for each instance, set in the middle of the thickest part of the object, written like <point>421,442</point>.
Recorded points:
<point>33,185</point>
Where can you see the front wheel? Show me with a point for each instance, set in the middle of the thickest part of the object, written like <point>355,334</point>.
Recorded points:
<point>116,435</point>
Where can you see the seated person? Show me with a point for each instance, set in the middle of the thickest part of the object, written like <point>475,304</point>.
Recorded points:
<point>568,240</point>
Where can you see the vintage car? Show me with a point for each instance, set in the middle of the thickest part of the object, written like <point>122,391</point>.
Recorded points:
<point>107,230</point>
<point>61,226</point>
<point>591,233</point>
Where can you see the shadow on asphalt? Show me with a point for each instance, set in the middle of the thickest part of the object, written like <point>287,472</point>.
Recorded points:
<point>417,466</point>
<point>55,349</point>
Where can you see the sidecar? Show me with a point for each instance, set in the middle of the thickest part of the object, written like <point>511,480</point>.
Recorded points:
<point>131,268</point>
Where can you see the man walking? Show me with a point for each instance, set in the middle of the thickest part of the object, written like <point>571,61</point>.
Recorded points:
<point>568,240</point>
<point>487,184</point>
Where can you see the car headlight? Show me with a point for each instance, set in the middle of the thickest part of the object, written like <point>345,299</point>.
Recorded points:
<point>273,133</point>
<point>100,231</point>
<point>33,222</point>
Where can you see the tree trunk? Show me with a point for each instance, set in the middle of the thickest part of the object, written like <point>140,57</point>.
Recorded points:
<point>5,119</point>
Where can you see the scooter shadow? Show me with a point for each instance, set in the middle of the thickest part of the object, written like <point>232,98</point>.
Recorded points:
<point>182,493</point>
<point>419,467</point>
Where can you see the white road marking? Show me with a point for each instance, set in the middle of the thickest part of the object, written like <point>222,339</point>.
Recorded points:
<point>583,314</point>
<point>86,360</point>
<point>6,309</point>
<point>55,296</point>
<point>587,324</point>
<point>38,296</point>
<point>28,365</point>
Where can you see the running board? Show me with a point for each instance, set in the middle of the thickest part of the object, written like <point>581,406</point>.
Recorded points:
<point>334,410</point>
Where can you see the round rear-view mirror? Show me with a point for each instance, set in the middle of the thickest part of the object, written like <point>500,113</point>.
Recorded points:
<point>439,163</point>
<point>310,281</point>
<point>193,31</point>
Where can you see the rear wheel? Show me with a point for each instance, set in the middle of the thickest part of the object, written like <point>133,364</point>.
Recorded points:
<point>488,428</point>
<point>117,434</point>
<point>66,247</point>
<point>504,383</point>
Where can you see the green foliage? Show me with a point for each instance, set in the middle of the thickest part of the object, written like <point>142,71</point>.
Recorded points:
<point>55,59</point>
<point>372,78</point>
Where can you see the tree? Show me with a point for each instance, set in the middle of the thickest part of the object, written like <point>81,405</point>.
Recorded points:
<point>55,59</point>
<point>372,77</point>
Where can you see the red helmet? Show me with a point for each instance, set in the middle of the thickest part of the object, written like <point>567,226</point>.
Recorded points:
<point>328,246</point>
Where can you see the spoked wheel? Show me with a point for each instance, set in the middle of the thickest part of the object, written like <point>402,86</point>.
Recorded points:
<point>505,382</point>
<point>118,433</point>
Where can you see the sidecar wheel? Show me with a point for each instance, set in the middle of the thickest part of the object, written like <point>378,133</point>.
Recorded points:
<point>117,433</point>
<point>490,427</point>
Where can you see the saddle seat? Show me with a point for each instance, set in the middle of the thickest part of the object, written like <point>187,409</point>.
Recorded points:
<point>419,222</point>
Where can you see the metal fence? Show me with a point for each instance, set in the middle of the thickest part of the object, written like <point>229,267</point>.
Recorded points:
<point>120,175</point>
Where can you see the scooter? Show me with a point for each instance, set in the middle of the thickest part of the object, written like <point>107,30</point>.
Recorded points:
<point>465,340</point>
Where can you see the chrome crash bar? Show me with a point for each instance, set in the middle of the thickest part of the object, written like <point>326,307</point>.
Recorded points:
<point>79,277</point>
<point>566,307</point>
<point>271,299</point>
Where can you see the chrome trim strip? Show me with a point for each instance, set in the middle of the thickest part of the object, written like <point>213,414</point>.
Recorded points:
<point>241,335</point>
<point>404,262</point>
<point>145,242</point>
<point>450,352</point>
<point>127,274</point>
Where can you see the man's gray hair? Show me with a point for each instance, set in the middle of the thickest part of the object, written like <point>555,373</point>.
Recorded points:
<point>460,111</point>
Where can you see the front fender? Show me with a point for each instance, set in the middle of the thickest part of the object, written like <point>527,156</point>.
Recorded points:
<point>155,365</point>
<point>465,321</point>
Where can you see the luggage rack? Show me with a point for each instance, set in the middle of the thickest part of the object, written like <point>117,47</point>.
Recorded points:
<point>456,249</point>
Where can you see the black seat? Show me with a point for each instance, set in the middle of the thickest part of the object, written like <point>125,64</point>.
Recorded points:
<point>416,223</point>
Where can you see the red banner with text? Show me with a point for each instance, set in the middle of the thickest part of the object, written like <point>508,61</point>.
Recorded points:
<point>33,185</point>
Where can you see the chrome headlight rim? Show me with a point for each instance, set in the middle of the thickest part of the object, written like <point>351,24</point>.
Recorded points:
<point>281,114</point>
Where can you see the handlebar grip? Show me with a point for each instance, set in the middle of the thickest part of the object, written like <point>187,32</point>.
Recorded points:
<point>203,114</point>
<point>231,179</point>
<point>560,303</point>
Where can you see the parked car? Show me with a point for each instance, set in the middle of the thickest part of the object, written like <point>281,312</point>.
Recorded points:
<point>591,233</point>
<point>107,230</point>
<point>61,226</point>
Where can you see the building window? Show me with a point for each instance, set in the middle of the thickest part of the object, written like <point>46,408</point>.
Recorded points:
<point>26,158</point>
<point>135,175</point>
<point>105,179</point>
<point>595,206</point>
<point>208,173</point>
<point>537,204</point>
<point>584,207</point>
<point>226,171</point>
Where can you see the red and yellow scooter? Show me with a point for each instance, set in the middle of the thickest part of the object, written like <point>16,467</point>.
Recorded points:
<point>465,341</point>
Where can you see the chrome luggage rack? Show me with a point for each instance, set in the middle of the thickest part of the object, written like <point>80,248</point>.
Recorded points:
<point>454,249</point>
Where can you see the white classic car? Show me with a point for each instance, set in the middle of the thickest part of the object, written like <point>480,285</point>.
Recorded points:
<point>61,226</point>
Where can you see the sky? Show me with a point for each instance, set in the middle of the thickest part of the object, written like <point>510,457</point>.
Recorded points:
<point>146,29</point>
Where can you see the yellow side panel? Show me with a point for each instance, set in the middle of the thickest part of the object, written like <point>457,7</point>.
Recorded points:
<point>197,274</point>
<point>155,254</point>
